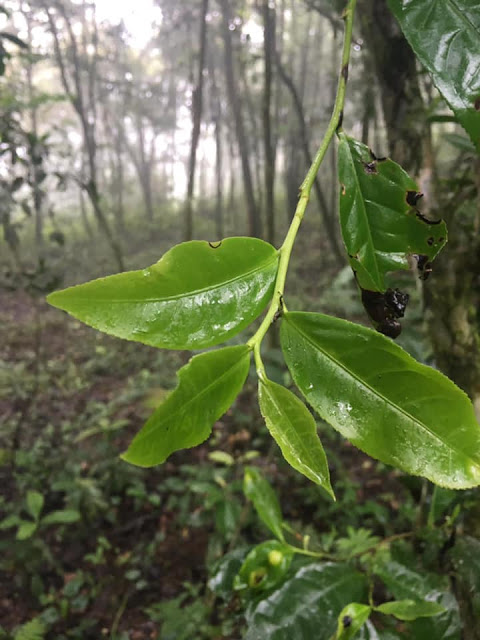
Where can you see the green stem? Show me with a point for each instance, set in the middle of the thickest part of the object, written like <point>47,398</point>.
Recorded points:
<point>285,250</point>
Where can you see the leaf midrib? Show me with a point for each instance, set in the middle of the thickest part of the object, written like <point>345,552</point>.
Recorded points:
<point>263,267</point>
<point>280,410</point>
<point>386,400</point>
<point>378,277</point>
<point>142,435</point>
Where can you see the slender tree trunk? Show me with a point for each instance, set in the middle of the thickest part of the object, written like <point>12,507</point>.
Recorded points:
<point>327,216</point>
<point>197,108</point>
<point>234,99</point>
<point>83,101</point>
<point>269,49</point>
<point>216,108</point>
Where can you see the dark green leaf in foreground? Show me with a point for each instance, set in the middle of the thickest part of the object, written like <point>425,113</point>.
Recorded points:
<point>264,499</point>
<point>380,225</point>
<point>207,386</point>
<point>307,605</point>
<point>351,620</point>
<point>411,609</point>
<point>445,36</point>
<point>387,404</point>
<point>198,295</point>
<point>294,430</point>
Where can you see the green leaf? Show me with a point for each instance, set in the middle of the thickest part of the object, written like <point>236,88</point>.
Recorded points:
<point>264,567</point>
<point>9,522</point>
<point>64,516</point>
<point>264,499</point>
<point>404,583</point>
<point>32,630</point>
<point>221,457</point>
<point>307,605</point>
<point>397,410</point>
<point>444,35</point>
<point>410,609</point>
<point>295,431</point>
<point>35,502</point>
<point>380,228</point>
<point>26,529</point>
<point>351,620</point>
<point>196,296</point>
<point>207,386</point>
<point>225,570</point>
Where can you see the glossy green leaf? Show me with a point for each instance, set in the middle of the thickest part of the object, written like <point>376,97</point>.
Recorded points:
<point>387,404</point>
<point>196,296</point>
<point>405,583</point>
<point>444,35</point>
<point>259,491</point>
<point>351,620</point>
<point>410,609</point>
<point>306,605</point>
<point>35,502</point>
<point>380,228</point>
<point>225,570</point>
<point>294,430</point>
<point>264,567</point>
<point>207,386</point>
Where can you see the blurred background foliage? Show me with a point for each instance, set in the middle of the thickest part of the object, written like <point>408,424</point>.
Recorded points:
<point>124,130</point>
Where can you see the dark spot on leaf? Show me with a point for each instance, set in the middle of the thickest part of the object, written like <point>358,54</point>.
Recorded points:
<point>413,197</point>
<point>374,157</point>
<point>441,240</point>
<point>426,220</point>
<point>213,245</point>
<point>430,241</point>
<point>344,191</point>
<point>370,167</point>
<point>345,72</point>
<point>476,104</point>
<point>347,622</point>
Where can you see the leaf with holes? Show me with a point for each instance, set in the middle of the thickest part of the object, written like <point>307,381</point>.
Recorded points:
<point>207,386</point>
<point>198,295</point>
<point>387,404</point>
<point>381,226</point>
<point>445,36</point>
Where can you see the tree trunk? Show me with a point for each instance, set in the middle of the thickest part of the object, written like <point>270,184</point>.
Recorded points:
<point>269,50</point>
<point>234,99</point>
<point>197,108</point>
<point>327,216</point>
<point>83,101</point>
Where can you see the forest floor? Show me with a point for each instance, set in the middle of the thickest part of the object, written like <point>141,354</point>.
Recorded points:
<point>139,552</point>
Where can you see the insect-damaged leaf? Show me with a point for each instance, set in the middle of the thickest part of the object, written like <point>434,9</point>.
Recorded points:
<point>381,226</point>
<point>197,295</point>
<point>207,386</point>
<point>387,404</point>
<point>294,430</point>
<point>444,35</point>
